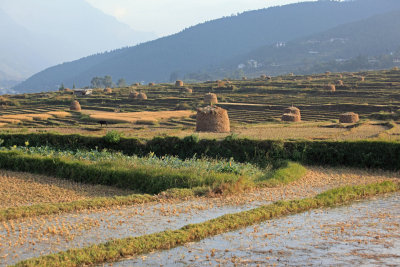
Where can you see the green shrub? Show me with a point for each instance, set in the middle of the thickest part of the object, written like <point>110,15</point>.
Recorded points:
<point>113,137</point>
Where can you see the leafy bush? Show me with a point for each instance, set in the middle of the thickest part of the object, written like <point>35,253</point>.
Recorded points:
<point>113,137</point>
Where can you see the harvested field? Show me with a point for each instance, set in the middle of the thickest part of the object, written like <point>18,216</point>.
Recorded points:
<point>22,189</point>
<point>132,117</point>
<point>27,238</point>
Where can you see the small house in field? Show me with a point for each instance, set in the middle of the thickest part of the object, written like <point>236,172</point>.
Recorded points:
<point>82,92</point>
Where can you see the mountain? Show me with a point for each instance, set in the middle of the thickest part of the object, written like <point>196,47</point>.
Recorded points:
<point>44,33</point>
<point>368,43</point>
<point>209,44</point>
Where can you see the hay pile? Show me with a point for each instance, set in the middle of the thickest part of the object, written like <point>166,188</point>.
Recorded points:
<point>309,78</point>
<point>211,98</point>
<point>212,119</point>
<point>179,83</point>
<point>186,90</point>
<point>349,117</point>
<point>136,84</point>
<point>291,117</point>
<point>331,88</point>
<point>108,90</point>
<point>339,83</point>
<point>291,114</point>
<point>362,78</point>
<point>142,96</point>
<point>152,84</point>
<point>221,83</point>
<point>75,106</point>
<point>133,95</point>
<point>244,78</point>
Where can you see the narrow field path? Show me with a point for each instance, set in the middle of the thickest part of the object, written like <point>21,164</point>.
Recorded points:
<point>32,237</point>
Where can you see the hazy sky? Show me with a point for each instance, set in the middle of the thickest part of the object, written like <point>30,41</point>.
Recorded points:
<point>165,17</point>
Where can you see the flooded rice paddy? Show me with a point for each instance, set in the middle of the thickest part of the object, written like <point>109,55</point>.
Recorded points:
<point>31,237</point>
<point>363,234</point>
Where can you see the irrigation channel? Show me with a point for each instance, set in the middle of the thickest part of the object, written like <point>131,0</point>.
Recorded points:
<point>364,234</point>
<point>31,237</point>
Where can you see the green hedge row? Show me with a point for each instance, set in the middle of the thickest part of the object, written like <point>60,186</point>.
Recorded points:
<point>364,154</point>
<point>145,179</point>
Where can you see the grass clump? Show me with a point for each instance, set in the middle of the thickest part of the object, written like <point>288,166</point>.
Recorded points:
<point>117,249</point>
<point>56,208</point>
<point>287,173</point>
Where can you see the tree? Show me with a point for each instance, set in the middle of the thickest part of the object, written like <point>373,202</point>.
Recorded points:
<point>107,81</point>
<point>61,87</point>
<point>97,82</point>
<point>121,83</point>
<point>73,86</point>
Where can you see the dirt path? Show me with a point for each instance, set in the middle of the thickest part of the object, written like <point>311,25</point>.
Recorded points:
<point>26,238</point>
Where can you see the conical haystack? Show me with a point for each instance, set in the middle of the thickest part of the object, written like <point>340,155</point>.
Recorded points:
<point>349,117</point>
<point>187,90</point>
<point>362,78</point>
<point>179,83</point>
<point>142,96</point>
<point>108,90</point>
<point>291,117</point>
<point>331,88</point>
<point>212,119</point>
<point>211,98</point>
<point>339,83</point>
<point>152,84</point>
<point>75,106</point>
<point>291,114</point>
<point>292,110</point>
<point>133,95</point>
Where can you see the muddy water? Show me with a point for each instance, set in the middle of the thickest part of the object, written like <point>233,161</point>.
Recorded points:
<point>32,237</point>
<point>364,234</point>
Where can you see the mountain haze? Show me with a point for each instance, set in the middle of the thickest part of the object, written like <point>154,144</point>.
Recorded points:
<point>41,33</point>
<point>331,50</point>
<point>209,44</point>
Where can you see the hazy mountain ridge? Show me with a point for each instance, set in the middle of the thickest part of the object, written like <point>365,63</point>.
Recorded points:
<point>361,40</point>
<point>209,44</point>
<point>57,31</point>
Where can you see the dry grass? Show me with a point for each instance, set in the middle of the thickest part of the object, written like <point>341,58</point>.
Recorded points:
<point>17,118</point>
<point>20,189</point>
<point>60,114</point>
<point>133,117</point>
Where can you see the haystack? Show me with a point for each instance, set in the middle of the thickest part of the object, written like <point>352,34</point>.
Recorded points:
<point>211,98</point>
<point>263,77</point>
<point>339,83</point>
<point>152,84</point>
<point>309,78</point>
<point>186,90</point>
<point>331,88</point>
<point>179,83</point>
<point>108,90</point>
<point>327,72</point>
<point>292,110</point>
<point>244,78</point>
<point>349,117</point>
<point>75,106</point>
<point>362,78</point>
<point>212,119</point>
<point>136,84</point>
<point>340,76</point>
<point>291,117</point>
<point>133,94</point>
<point>142,96</point>
<point>221,83</point>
